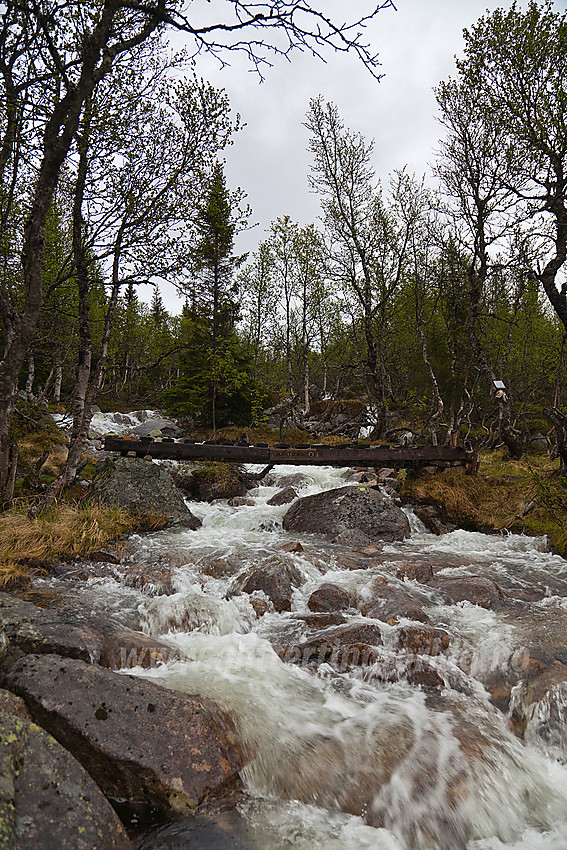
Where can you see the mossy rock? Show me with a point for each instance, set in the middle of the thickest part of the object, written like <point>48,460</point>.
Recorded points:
<point>142,487</point>
<point>214,481</point>
<point>47,800</point>
<point>31,422</point>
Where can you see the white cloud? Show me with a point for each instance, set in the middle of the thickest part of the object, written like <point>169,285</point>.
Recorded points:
<point>269,159</point>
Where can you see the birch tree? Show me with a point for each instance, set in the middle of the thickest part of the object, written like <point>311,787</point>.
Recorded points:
<point>63,49</point>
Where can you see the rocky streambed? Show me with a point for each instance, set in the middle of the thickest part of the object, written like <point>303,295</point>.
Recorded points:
<point>305,666</point>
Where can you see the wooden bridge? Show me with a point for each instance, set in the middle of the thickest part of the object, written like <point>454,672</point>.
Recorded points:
<point>347,454</point>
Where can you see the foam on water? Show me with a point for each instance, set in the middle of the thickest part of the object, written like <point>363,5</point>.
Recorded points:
<point>415,769</point>
<point>111,423</point>
<point>432,776</point>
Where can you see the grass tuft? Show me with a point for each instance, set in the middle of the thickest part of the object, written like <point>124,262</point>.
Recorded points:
<point>64,532</point>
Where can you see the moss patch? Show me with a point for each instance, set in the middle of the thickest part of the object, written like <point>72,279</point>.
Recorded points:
<point>216,481</point>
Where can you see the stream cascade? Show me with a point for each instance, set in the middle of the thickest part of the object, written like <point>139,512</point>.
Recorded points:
<point>346,756</point>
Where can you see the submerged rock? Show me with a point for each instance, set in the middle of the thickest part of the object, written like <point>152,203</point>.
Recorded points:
<point>423,640</point>
<point>216,831</point>
<point>345,646</point>
<point>151,579</point>
<point>156,750</point>
<point>413,669</point>
<point>421,571</point>
<point>320,620</point>
<point>143,488</point>
<point>389,602</point>
<point>48,801</point>
<point>476,589</point>
<point>335,512</point>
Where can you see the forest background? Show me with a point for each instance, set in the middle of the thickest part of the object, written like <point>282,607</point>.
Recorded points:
<point>444,309</point>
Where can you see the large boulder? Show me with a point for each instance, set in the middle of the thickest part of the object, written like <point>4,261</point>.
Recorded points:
<point>166,428</point>
<point>334,512</point>
<point>154,750</point>
<point>142,487</point>
<point>29,629</point>
<point>48,801</point>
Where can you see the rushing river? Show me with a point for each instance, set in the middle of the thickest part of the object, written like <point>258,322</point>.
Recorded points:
<point>420,768</point>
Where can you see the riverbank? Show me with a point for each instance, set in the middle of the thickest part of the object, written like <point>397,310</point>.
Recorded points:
<point>67,532</point>
<point>525,497</point>
<point>528,496</point>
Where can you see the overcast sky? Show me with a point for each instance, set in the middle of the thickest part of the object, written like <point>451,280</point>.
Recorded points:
<point>269,159</point>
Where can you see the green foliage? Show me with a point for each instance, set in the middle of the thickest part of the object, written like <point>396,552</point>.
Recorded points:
<point>224,374</point>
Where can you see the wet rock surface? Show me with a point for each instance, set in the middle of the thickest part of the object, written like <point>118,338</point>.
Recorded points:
<point>351,645</point>
<point>283,497</point>
<point>423,640</point>
<point>434,517</point>
<point>276,577</point>
<point>165,427</point>
<point>29,629</point>
<point>331,597</point>
<point>476,589</point>
<point>109,722</point>
<point>126,649</point>
<point>214,481</point>
<point>153,579</point>
<point>416,671</point>
<point>48,801</point>
<point>223,831</point>
<point>321,620</point>
<point>334,512</point>
<point>353,537</point>
<point>357,703</point>
<point>420,571</point>
<point>389,602</point>
<point>142,487</point>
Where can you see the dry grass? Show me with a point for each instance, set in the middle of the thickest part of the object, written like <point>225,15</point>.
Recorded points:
<point>65,532</point>
<point>526,496</point>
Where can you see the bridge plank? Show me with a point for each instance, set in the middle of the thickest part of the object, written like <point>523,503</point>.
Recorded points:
<point>318,455</point>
